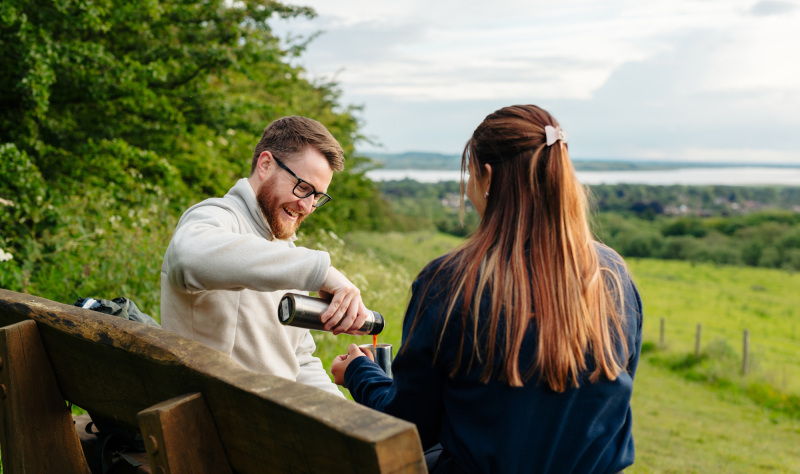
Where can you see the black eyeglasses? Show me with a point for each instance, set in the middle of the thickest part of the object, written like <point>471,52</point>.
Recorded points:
<point>304,189</point>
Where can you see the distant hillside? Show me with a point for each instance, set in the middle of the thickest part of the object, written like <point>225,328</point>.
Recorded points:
<point>416,160</point>
<point>419,160</point>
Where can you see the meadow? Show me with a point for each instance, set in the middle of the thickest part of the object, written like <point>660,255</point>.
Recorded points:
<point>707,419</point>
<point>726,300</point>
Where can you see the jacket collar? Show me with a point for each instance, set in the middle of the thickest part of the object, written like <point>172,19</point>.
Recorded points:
<point>243,192</point>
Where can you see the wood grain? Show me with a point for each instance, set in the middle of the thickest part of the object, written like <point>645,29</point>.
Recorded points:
<point>37,433</point>
<point>117,368</point>
<point>181,438</point>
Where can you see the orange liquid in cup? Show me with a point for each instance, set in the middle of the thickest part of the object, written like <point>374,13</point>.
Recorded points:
<point>374,340</point>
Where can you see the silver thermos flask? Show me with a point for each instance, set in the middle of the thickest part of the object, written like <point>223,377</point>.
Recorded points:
<point>304,311</point>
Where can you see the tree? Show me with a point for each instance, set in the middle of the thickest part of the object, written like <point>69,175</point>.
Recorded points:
<point>84,79</point>
<point>115,115</point>
<point>175,94</point>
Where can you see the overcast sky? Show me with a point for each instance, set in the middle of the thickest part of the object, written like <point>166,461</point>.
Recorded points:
<point>684,80</point>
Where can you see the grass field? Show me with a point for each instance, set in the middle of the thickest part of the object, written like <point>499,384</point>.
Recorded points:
<point>383,266</point>
<point>679,425</point>
<point>726,301</point>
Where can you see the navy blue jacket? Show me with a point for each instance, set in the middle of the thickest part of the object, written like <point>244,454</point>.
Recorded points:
<point>492,427</point>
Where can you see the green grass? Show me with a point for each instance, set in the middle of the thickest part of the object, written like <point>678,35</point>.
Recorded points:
<point>726,301</point>
<point>718,422</point>
<point>684,426</point>
<point>383,266</point>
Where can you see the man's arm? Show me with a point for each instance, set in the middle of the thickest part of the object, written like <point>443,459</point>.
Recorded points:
<point>206,254</point>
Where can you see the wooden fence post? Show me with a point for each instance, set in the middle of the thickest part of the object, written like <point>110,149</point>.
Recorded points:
<point>745,350</point>
<point>697,340</point>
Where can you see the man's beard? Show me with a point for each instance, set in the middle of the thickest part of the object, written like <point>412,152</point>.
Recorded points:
<point>271,207</point>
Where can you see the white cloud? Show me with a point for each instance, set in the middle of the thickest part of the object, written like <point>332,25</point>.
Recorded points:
<point>762,54</point>
<point>713,74</point>
<point>474,50</point>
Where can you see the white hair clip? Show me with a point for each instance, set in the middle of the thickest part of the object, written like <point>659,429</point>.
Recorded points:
<point>554,134</point>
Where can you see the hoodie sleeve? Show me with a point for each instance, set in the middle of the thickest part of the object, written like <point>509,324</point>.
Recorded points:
<point>208,253</point>
<point>311,370</point>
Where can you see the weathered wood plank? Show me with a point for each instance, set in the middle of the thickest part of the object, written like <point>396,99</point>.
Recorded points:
<point>266,423</point>
<point>36,432</point>
<point>181,438</point>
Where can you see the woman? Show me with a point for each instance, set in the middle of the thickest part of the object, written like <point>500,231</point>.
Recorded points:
<point>519,347</point>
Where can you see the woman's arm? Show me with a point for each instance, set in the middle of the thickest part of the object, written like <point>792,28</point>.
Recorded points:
<point>415,393</point>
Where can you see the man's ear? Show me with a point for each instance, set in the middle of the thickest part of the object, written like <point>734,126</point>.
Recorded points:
<point>263,164</point>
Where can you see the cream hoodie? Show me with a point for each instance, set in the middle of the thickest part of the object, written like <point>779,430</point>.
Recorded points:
<point>222,279</point>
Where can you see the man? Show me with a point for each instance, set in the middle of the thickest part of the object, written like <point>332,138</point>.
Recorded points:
<point>231,259</point>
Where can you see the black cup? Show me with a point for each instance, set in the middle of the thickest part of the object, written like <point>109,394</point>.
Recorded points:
<point>382,354</point>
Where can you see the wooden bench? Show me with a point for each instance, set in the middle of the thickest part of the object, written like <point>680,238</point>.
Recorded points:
<point>198,410</point>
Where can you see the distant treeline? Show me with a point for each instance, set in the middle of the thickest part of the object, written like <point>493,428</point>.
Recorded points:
<point>419,160</point>
<point>763,238</point>
<point>756,226</point>
<point>704,201</point>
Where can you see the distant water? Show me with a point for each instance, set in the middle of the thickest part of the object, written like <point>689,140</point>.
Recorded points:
<point>733,176</point>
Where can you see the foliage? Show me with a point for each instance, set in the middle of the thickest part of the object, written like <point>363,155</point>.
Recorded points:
<point>115,116</point>
<point>184,89</point>
<point>357,204</point>
<point>648,201</point>
<point>28,210</point>
<point>767,237</point>
<point>429,206</point>
<point>417,161</point>
<point>760,239</point>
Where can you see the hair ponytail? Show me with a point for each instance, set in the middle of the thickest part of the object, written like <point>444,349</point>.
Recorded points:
<point>534,253</point>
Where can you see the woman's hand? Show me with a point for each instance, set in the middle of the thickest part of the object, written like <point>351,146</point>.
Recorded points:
<point>340,362</point>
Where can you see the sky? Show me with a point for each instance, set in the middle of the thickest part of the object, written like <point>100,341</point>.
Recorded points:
<point>663,80</point>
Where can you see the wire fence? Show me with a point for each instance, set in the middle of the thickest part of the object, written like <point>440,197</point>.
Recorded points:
<point>771,355</point>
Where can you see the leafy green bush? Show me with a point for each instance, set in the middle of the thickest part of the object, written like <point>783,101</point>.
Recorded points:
<point>27,205</point>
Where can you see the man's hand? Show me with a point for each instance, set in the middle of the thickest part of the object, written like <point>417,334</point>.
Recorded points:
<point>346,312</point>
<point>341,362</point>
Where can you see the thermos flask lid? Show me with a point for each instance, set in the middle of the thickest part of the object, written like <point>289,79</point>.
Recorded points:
<point>286,309</point>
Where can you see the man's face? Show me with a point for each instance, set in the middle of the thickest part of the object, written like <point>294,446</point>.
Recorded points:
<point>283,210</point>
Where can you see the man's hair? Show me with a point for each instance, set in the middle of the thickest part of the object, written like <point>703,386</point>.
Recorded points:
<point>289,136</point>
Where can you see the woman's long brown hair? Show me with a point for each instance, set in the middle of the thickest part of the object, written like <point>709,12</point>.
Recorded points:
<point>534,236</point>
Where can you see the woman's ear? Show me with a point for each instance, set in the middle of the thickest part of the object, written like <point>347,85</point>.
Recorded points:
<point>487,178</point>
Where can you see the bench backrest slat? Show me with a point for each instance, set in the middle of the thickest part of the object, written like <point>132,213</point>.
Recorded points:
<point>117,368</point>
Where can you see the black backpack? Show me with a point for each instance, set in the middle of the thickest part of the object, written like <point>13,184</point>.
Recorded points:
<point>113,440</point>
<point>122,307</point>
